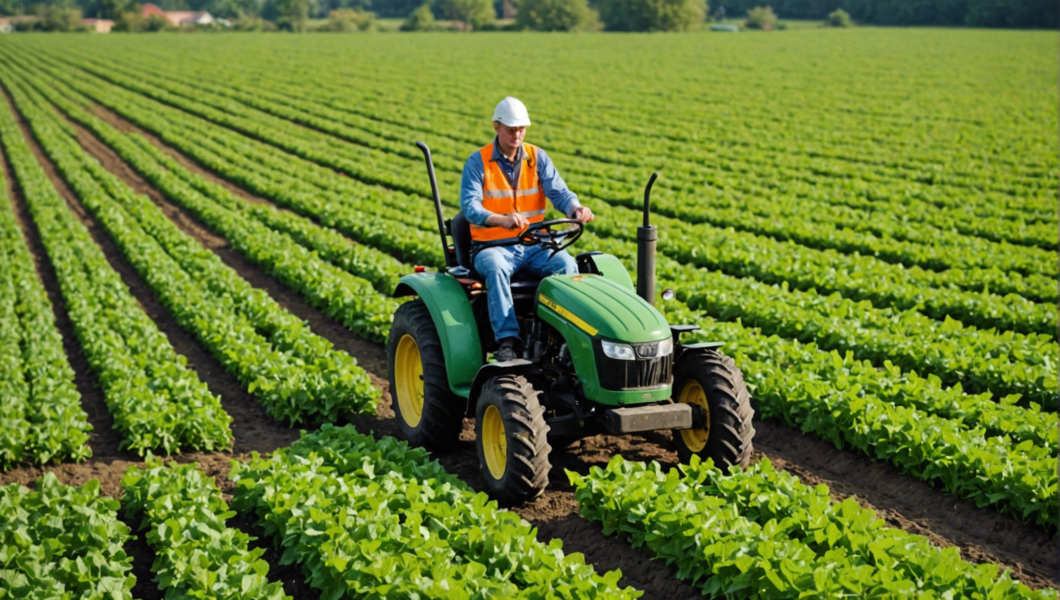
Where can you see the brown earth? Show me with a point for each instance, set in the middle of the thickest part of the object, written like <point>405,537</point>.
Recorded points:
<point>982,534</point>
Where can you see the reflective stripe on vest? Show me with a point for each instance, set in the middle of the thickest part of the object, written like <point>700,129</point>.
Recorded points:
<point>499,197</point>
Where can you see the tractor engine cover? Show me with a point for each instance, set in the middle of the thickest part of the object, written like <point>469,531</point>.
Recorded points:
<point>635,419</point>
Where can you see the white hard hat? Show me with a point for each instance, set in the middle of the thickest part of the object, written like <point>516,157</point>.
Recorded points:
<point>511,112</point>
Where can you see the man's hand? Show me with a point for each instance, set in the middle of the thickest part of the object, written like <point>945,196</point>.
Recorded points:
<point>583,214</point>
<point>514,221</point>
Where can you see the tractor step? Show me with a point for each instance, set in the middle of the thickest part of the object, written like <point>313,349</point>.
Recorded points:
<point>647,418</point>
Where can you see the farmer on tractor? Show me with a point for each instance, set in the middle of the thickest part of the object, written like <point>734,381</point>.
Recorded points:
<point>503,192</point>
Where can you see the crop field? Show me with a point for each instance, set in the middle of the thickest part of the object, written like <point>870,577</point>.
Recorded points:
<point>202,235</point>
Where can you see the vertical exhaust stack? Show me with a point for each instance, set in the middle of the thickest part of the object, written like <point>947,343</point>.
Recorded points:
<point>647,235</point>
<point>450,259</point>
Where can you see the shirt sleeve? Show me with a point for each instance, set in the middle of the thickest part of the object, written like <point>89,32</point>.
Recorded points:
<point>471,190</point>
<point>554,187</point>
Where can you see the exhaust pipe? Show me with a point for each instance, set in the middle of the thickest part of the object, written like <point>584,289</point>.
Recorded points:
<point>647,235</point>
<point>450,259</point>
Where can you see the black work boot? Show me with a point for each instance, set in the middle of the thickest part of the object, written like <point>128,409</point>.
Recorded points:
<point>507,350</point>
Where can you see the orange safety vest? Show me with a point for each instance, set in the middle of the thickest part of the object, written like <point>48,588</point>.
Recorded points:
<point>527,199</point>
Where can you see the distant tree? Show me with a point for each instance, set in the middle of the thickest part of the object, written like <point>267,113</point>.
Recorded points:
<point>292,15</point>
<point>55,18</point>
<point>324,7</point>
<point>1012,13</point>
<point>395,9</point>
<point>157,23</point>
<point>761,17</point>
<point>11,7</point>
<point>111,9</point>
<point>556,15</point>
<point>421,19</point>
<point>128,22</point>
<point>652,15</point>
<point>839,18</point>
<point>252,23</point>
<point>345,19</point>
<point>469,14</point>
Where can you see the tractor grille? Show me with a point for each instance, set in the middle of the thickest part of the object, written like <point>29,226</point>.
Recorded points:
<point>620,375</point>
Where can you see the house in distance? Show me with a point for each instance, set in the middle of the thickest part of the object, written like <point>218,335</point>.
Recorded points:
<point>177,18</point>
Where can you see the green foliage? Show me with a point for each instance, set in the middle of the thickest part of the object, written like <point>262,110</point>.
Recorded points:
<point>342,503</point>
<point>297,375</point>
<point>652,15</point>
<point>395,9</point>
<point>764,534</point>
<point>346,19</point>
<point>11,7</point>
<point>856,244</point>
<point>421,19</point>
<point>556,15</point>
<point>761,17</point>
<point>154,23</point>
<point>839,18</point>
<point>157,403</point>
<point>252,23</point>
<point>289,15</point>
<point>468,14</point>
<point>128,22</point>
<point>57,18</point>
<point>41,418</point>
<point>197,555</point>
<point>113,9</point>
<point>62,542</point>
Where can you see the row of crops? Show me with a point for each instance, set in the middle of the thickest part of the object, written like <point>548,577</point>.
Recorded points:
<point>372,519</point>
<point>864,303</point>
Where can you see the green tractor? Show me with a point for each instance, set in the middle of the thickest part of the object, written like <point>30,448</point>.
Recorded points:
<point>597,357</point>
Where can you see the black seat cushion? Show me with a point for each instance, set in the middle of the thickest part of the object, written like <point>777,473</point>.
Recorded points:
<point>461,231</point>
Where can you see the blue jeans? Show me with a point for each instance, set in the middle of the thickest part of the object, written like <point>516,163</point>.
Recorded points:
<point>497,265</point>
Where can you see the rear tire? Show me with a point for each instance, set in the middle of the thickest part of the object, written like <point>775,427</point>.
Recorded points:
<point>428,413</point>
<point>512,440</point>
<point>711,380</point>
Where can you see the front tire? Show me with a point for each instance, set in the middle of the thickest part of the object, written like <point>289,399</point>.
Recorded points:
<point>512,440</point>
<point>428,413</point>
<point>711,381</point>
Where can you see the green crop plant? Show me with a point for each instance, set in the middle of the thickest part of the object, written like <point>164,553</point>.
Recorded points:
<point>764,534</point>
<point>62,541</point>
<point>376,518</point>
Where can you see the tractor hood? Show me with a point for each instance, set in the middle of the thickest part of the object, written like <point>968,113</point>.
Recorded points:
<point>601,308</point>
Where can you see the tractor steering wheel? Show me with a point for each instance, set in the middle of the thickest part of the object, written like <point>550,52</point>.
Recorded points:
<point>539,234</point>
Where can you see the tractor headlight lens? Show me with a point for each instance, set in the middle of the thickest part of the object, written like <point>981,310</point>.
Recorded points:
<point>654,349</point>
<point>665,347</point>
<point>618,351</point>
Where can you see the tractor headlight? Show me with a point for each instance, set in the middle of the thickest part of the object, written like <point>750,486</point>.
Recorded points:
<point>617,351</point>
<point>654,349</point>
<point>642,350</point>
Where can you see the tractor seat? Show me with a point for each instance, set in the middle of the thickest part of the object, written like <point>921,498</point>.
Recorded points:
<point>461,230</point>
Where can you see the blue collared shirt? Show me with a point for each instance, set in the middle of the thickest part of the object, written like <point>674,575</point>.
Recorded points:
<point>552,184</point>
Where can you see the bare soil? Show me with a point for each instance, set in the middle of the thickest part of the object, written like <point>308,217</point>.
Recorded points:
<point>982,534</point>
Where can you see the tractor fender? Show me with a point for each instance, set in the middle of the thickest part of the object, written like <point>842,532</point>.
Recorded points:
<point>491,370</point>
<point>451,312</point>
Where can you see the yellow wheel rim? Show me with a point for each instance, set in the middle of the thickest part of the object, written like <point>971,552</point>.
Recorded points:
<point>494,442</point>
<point>695,439</point>
<point>408,378</point>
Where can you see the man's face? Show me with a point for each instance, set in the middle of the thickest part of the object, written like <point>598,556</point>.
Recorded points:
<point>509,138</point>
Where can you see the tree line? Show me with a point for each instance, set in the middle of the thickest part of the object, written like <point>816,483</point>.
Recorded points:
<point>553,15</point>
<point>1019,14</point>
